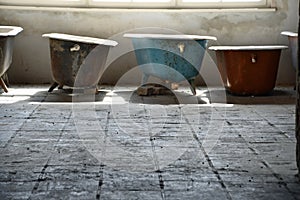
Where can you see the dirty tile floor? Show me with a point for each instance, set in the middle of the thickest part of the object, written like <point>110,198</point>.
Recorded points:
<point>117,145</point>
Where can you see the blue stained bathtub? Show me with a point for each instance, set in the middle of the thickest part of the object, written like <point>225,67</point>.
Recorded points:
<point>173,58</point>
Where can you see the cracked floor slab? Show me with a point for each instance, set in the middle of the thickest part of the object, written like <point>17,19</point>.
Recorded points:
<point>118,145</point>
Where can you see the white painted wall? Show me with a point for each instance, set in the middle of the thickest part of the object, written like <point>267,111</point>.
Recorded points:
<point>31,60</point>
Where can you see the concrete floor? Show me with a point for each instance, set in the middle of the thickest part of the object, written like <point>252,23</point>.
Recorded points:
<point>117,145</point>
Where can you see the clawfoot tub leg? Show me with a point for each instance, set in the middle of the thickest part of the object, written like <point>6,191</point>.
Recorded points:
<point>5,79</point>
<point>53,86</point>
<point>192,86</point>
<point>3,85</point>
<point>145,79</point>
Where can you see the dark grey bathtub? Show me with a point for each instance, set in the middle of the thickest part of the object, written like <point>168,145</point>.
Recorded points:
<point>71,54</point>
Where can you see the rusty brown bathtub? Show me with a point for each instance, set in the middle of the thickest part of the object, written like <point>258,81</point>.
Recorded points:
<point>248,70</point>
<point>7,35</point>
<point>71,53</point>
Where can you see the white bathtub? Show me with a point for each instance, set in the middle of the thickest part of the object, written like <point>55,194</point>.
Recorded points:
<point>7,34</point>
<point>293,45</point>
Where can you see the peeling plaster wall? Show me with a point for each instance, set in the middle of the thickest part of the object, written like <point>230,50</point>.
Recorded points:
<point>31,60</point>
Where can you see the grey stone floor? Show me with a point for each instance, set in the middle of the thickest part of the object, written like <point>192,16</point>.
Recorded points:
<point>117,145</point>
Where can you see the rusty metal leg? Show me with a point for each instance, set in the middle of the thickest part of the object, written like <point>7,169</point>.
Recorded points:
<point>97,90</point>
<point>53,86</point>
<point>3,85</point>
<point>5,79</point>
<point>193,86</point>
<point>298,107</point>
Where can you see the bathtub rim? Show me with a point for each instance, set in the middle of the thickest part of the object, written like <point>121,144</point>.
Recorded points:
<point>15,30</point>
<point>83,39</point>
<point>168,36</point>
<point>247,48</point>
<point>289,33</point>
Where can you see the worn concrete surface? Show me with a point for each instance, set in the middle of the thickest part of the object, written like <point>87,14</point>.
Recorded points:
<point>122,146</point>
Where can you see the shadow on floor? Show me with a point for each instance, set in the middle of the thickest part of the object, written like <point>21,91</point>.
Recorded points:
<point>277,96</point>
<point>67,96</point>
<point>175,97</point>
<point>172,98</point>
